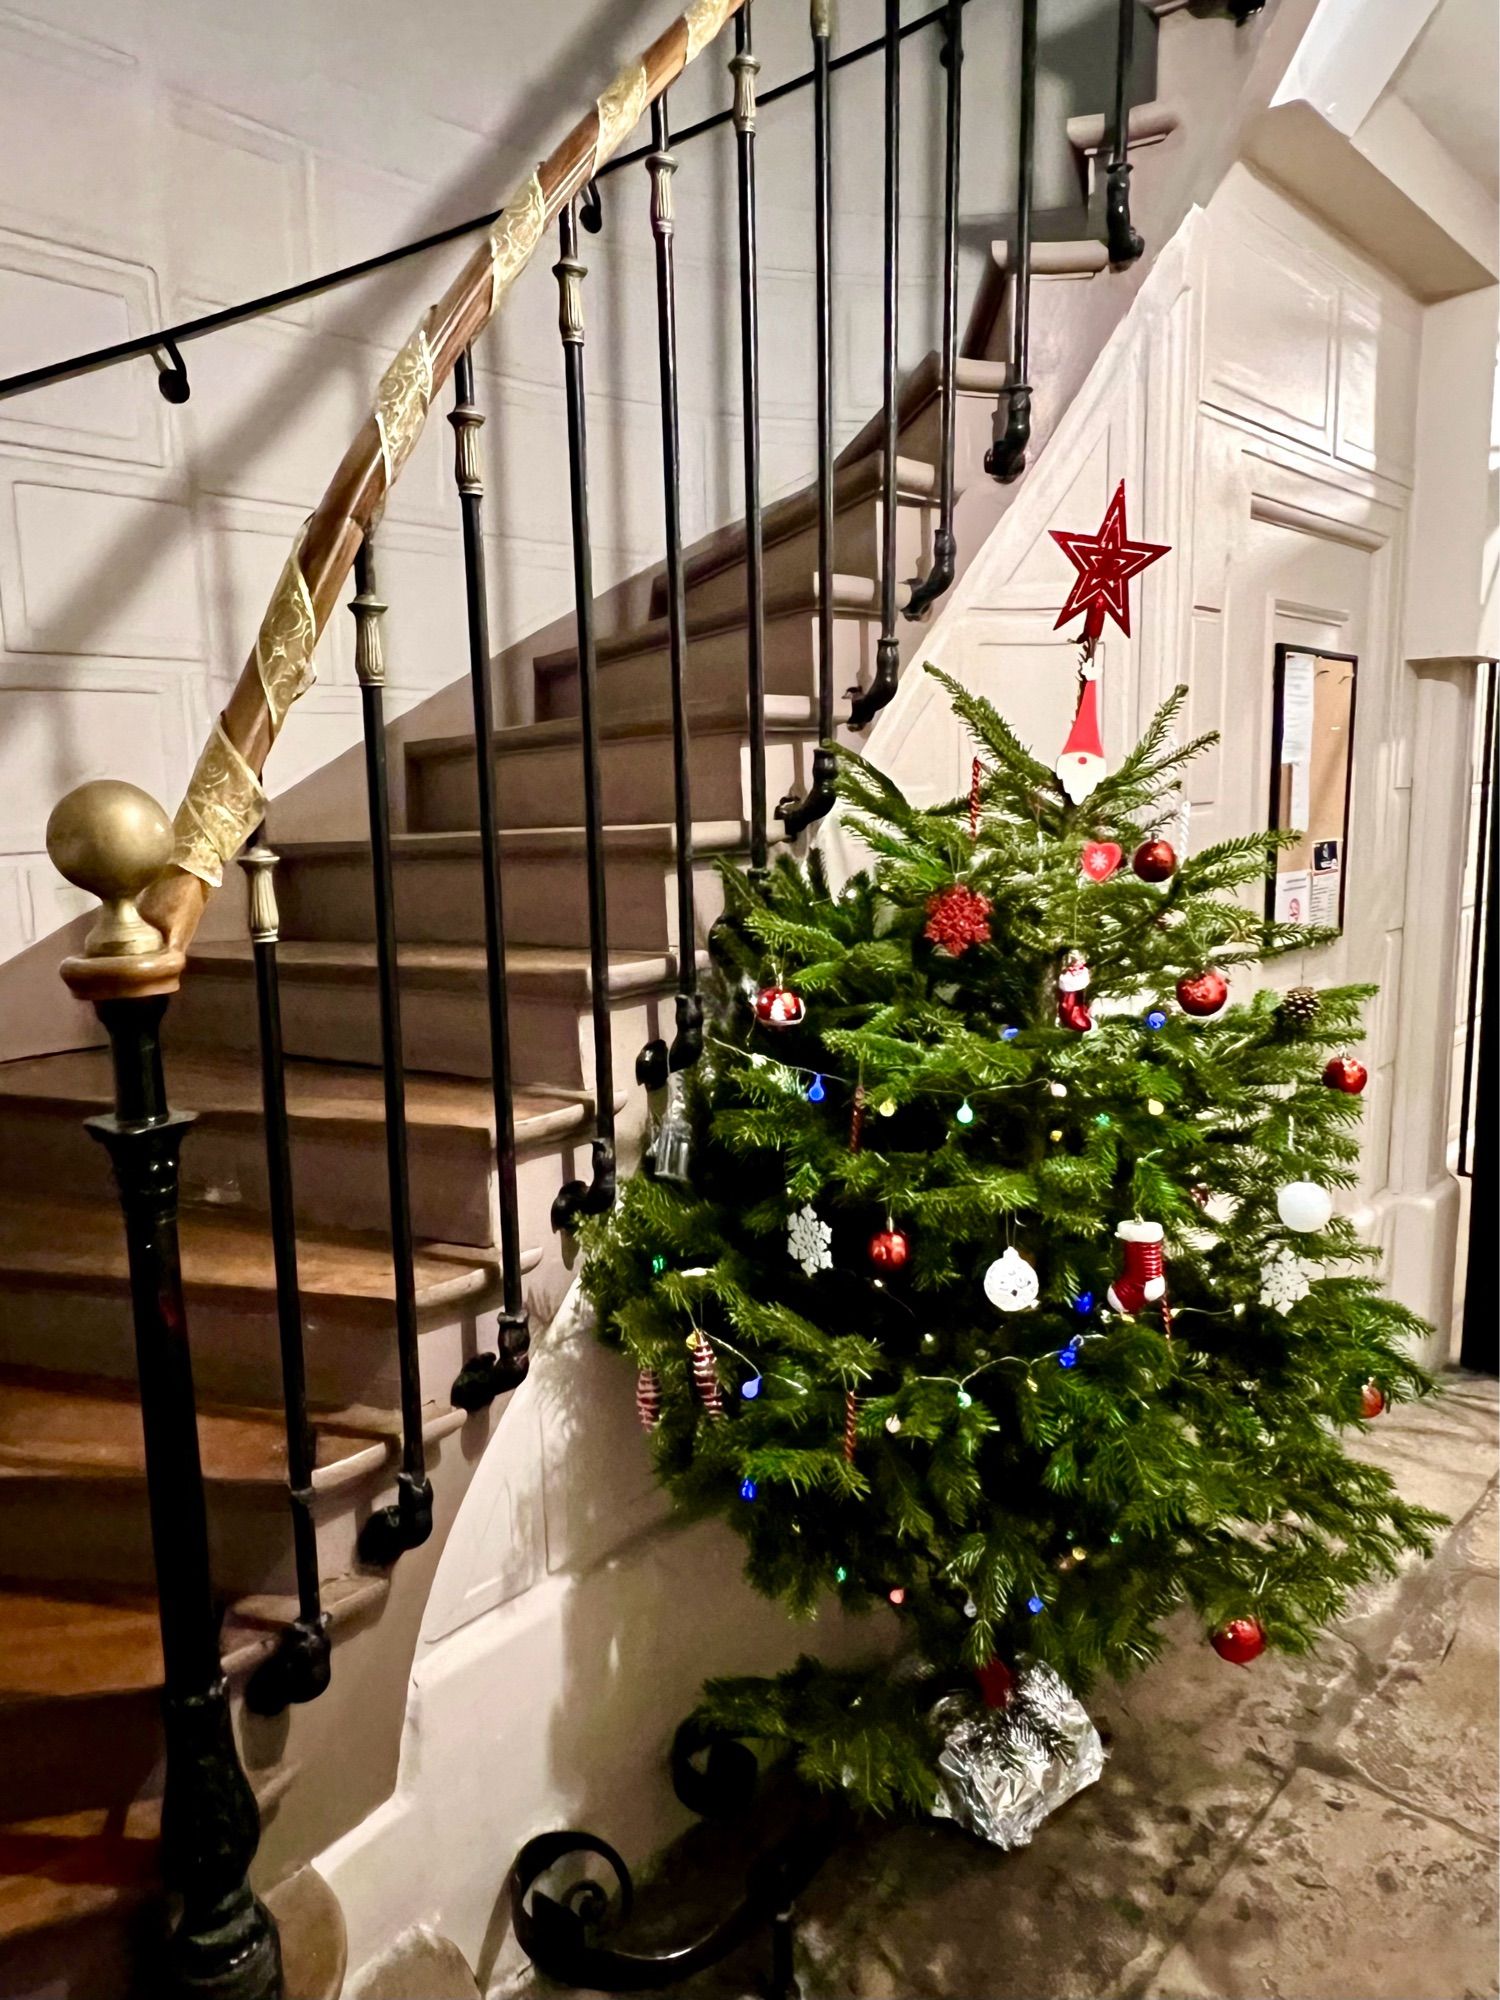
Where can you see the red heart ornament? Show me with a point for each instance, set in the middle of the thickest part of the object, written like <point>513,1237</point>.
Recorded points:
<point>1100,859</point>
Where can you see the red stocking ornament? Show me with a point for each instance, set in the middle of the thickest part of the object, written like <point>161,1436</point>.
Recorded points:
<point>1072,984</point>
<point>1143,1279</point>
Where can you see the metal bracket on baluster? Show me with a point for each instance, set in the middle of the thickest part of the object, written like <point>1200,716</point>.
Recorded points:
<point>576,1199</point>
<point>483,1377</point>
<point>390,1531</point>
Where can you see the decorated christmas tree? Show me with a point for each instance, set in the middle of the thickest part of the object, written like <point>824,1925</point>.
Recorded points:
<point>989,1276</point>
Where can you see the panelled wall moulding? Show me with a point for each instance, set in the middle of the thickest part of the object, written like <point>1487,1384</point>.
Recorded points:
<point>56,297</point>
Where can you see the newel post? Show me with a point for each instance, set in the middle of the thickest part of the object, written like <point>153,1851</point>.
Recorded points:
<point>112,839</point>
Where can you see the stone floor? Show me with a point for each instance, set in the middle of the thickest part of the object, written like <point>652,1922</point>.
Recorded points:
<point>1322,1829</point>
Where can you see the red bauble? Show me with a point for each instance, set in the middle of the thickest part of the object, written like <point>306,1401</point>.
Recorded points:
<point>1202,993</point>
<point>958,917</point>
<point>1100,859</point>
<point>778,1007</point>
<point>1239,1640</point>
<point>1154,860</point>
<point>997,1684</point>
<point>1345,1074</point>
<point>889,1249</point>
<point>1371,1400</point>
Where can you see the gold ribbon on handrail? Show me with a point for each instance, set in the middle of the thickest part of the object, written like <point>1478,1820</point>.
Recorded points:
<point>703,21</point>
<point>224,802</point>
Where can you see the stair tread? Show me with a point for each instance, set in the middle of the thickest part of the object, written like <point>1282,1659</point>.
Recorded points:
<point>862,479</point>
<point>90,1427</point>
<point>1076,257</point>
<point>922,385</point>
<point>225,1254</point>
<point>227,1085</point>
<point>646,837</point>
<point>708,718</point>
<point>71,1644</point>
<point>1146,125</point>
<point>548,969</point>
<point>852,596</point>
<point>62,1869</point>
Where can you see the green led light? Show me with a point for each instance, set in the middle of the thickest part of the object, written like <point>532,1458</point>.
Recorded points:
<point>1103,1118</point>
<point>658,1265</point>
<point>841,1575</point>
<point>964,1399</point>
<point>965,1113</point>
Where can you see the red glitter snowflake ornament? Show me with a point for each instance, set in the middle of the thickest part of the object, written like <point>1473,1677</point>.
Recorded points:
<point>956,918</point>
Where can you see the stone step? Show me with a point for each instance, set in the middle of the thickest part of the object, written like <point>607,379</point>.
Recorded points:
<point>336,1114</point>
<point>633,664</point>
<point>1145,125</point>
<point>80,1744</point>
<point>329,1011</point>
<point>324,887</point>
<point>537,777</point>
<point>64,1274</point>
<point>919,416</point>
<point>73,1506</point>
<point>714,567</point>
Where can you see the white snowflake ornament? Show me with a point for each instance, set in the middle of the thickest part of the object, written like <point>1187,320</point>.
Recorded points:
<point>1283,1281</point>
<point>1011,1284</point>
<point>809,1241</point>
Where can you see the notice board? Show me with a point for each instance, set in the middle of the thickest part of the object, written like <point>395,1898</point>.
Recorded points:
<point>1312,764</point>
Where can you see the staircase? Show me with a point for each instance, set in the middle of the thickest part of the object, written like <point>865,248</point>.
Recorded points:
<point>80,1646</point>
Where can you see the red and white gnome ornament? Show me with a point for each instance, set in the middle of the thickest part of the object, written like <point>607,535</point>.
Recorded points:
<point>1072,985</point>
<point>1143,1278</point>
<point>1080,763</point>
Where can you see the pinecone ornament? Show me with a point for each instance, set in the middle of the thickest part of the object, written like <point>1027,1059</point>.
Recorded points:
<point>1300,1006</point>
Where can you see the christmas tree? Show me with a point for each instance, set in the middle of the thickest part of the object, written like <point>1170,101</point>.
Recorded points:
<point>997,1280</point>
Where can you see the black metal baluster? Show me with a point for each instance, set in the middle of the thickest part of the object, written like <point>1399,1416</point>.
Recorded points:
<point>575,1199</point>
<point>944,549</point>
<point>390,1531</point>
<point>112,840</point>
<point>882,686</point>
<point>794,813</point>
<point>225,1942</point>
<point>1006,457</point>
<point>300,1667</point>
<point>1124,244</point>
<point>743,66</point>
<point>656,1062</point>
<point>485,1376</point>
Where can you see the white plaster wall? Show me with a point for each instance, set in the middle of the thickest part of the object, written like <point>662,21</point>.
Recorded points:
<point>570,1627</point>
<point>1261,400</point>
<point>165,157</point>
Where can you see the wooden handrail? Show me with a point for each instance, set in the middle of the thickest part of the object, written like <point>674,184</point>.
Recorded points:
<point>224,801</point>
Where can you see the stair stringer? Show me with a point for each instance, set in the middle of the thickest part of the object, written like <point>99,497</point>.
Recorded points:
<point>554,1661</point>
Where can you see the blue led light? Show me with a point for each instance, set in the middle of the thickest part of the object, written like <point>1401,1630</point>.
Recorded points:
<point>1034,1605</point>
<point>815,1091</point>
<point>748,1489</point>
<point>1070,1354</point>
<point>1084,1303</point>
<point>751,1389</point>
<point>1156,1018</point>
<point>1009,1034</point>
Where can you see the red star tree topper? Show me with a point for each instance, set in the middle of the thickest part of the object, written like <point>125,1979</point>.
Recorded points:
<point>1105,563</point>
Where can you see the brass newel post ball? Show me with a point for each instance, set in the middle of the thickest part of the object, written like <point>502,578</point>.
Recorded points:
<point>112,839</point>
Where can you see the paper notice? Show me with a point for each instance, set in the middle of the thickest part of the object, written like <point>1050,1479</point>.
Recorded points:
<point>1327,878</point>
<point>1294,897</point>
<point>1300,803</point>
<point>1298,675</point>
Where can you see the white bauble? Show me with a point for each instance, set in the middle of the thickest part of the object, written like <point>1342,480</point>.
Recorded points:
<point>1304,1206</point>
<point>1011,1284</point>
